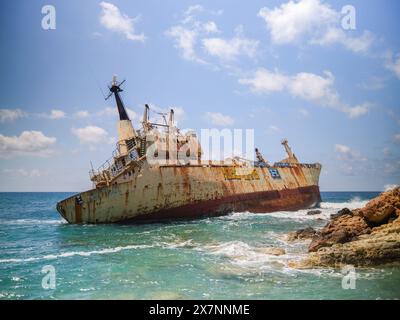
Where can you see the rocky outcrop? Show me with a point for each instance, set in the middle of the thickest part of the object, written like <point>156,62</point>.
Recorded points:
<point>343,212</point>
<point>343,229</point>
<point>366,236</point>
<point>302,234</point>
<point>381,246</point>
<point>313,212</point>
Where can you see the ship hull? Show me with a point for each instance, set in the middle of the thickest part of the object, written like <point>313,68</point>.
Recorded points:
<point>187,192</point>
<point>258,202</point>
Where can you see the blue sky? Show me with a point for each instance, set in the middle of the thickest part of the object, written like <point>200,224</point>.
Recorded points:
<point>288,69</point>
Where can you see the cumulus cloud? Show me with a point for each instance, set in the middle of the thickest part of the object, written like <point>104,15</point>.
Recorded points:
<point>229,49</point>
<point>219,119</point>
<point>350,161</point>
<point>185,41</point>
<point>345,153</point>
<point>308,86</point>
<point>396,138</point>
<point>92,136</point>
<point>296,21</point>
<point>393,63</point>
<point>56,114</point>
<point>11,114</point>
<point>192,32</point>
<point>338,36</point>
<point>113,19</point>
<point>32,143</point>
<point>82,114</point>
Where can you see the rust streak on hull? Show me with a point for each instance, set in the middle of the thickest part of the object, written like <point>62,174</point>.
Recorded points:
<point>258,202</point>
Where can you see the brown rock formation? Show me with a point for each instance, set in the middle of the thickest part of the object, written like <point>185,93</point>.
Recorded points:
<point>366,236</point>
<point>307,233</point>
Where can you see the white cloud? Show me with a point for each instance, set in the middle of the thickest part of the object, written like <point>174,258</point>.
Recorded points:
<point>56,114</point>
<point>210,27</point>
<point>82,114</point>
<point>393,63</point>
<point>345,153</point>
<point>308,86</point>
<point>219,119</point>
<point>185,41</point>
<point>108,111</point>
<point>357,111</point>
<point>33,143</point>
<point>191,33</point>
<point>92,136</point>
<point>396,138</point>
<point>350,161</point>
<point>274,129</point>
<point>11,114</point>
<point>21,172</point>
<point>265,81</point>
<point>338,36</point>
<point>229,49</point>
<point>112,19</point>
<point>294,21</point>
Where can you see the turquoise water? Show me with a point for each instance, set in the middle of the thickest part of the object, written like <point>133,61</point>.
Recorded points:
<point>212,258</point>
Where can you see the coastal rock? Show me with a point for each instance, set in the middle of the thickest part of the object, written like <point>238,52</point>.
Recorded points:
<point>380,247</point>
<point>368,236</point>
<point>313,212</point>
<point>339,230</point>
<point>343,212</point>
<point>302,234</point>
<point>379,210</point>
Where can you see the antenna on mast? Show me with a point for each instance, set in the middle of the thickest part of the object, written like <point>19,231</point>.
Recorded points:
<point>115,89</point>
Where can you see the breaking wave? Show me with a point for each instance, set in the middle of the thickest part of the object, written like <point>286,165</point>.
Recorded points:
<point>31,221</point>
<point>76,253</point>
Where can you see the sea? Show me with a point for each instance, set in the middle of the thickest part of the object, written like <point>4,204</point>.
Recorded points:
<point>43,257</point>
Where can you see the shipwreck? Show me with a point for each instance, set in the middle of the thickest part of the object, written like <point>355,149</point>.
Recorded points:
<point>157,173</point>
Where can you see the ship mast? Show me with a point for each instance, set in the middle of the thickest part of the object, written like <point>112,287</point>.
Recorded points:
<point>291,156</point>
<point>124,126</point>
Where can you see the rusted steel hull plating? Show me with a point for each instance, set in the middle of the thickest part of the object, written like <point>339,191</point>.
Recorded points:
<point>171,192</point>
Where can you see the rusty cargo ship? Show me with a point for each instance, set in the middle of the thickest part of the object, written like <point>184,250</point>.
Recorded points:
<point>157,173</point>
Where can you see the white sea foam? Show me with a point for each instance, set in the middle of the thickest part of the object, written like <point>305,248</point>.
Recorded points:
<point>76,253</point>
<point>243,255</point>
<point>326,208</point>
<point>31,221</point>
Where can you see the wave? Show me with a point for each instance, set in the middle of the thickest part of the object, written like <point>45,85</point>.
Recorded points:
<point>326,208</point>
<point>244,255</point>
<point>75,253</point>
<point>31,221</point>
<point>354,203</point>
